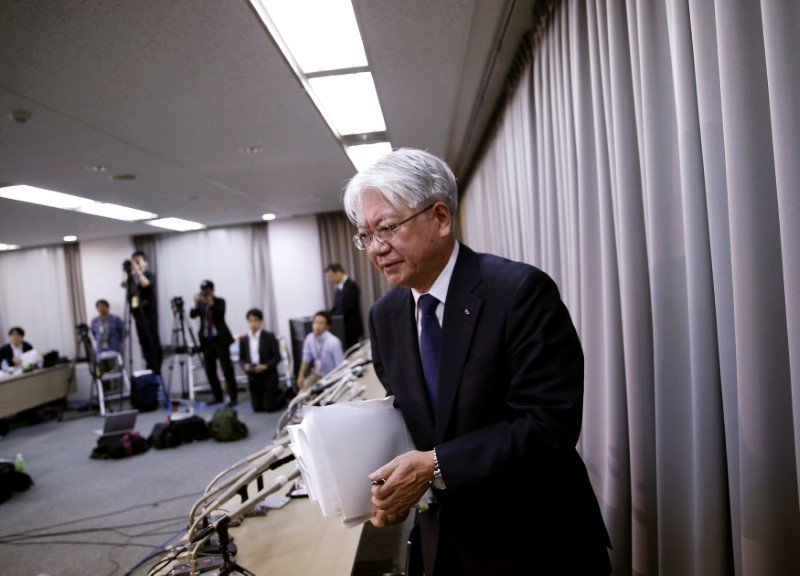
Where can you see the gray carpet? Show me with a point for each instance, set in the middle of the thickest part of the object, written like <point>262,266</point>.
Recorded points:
<point>84,516</point>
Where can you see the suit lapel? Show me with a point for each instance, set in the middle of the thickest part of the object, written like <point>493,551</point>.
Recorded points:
<point>461,312</point>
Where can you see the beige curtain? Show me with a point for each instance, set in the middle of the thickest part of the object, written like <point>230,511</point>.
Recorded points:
<point>648,161</point>
<point>336,241</point>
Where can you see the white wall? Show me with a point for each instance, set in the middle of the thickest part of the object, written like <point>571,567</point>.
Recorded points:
<point>298,277</point>
<point>297,272</point>
<point>101,264</point>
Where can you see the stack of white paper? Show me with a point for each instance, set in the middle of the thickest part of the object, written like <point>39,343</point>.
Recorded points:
<point>339,445</point>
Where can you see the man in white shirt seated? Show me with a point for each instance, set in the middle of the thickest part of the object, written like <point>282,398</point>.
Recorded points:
<point>13,351</point>
<point>322,351</point>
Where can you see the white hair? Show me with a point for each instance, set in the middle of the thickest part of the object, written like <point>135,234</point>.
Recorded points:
<point>406,178</point>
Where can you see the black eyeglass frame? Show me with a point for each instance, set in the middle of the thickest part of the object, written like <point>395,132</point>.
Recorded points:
<point>359,239</point>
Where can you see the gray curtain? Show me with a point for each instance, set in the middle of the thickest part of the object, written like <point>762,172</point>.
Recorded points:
<point>336,242</point>
<point>72,260</point>
<point>647,160</point>
<point>263,291</point>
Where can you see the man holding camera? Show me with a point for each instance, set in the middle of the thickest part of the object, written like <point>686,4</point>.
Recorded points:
<point>141,287</point>
<point>215,339</point>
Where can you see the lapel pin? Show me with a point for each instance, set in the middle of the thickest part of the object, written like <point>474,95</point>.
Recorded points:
<point>466,311</point>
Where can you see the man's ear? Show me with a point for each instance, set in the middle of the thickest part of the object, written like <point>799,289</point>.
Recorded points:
<point>444,218</point>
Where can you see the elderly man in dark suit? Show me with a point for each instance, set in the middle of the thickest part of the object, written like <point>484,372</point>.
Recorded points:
<point>486,367</point>
<point>215,340</point>
<point>346,303</point>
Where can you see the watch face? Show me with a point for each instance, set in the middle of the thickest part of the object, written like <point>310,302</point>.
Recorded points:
<point>437,483</point>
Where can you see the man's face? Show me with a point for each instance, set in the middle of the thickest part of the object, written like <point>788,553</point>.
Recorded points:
<point>319,325</point>
<point>254,323</point>
<point>333,277</point>
<point>102,309</point>
<point>140,262</point>
<point>16,339</point>
<point>413,259</point>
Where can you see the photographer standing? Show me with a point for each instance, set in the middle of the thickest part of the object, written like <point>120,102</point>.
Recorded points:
<point>215,339</point>
<point>141,287</point>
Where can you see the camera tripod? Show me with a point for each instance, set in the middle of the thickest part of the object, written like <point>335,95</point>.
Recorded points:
<point>182,353</point>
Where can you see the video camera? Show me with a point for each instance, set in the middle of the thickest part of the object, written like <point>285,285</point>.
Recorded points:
<point>83,329</point>
<point>127,266</point>
<point>177,304</point>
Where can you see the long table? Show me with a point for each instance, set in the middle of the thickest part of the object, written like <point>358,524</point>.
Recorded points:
<point>31,389</point>
<point>297,538</point>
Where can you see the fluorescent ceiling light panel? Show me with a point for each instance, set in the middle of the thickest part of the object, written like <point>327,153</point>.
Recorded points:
<point>34,195</point>
<point>4,247</point>
<point>43,197</point>
<point>363,155</point>
<point>350,101</point>
<point>177,224</point>
<point>116,211</point>
<point>320,34</point>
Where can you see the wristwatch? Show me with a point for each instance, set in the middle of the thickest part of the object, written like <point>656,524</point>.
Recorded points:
<point>437,481</point>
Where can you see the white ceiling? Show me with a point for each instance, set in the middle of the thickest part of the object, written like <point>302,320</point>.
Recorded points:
<point>172,90</point>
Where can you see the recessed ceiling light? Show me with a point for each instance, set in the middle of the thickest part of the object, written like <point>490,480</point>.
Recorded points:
<point>268,216</point>
<point>97,168</point>
<point>123,177</point>
<point>177,224</point>
<point>70,238</point>
<point>251,150</point>
<point>363,155</point>
<point>4,247</point>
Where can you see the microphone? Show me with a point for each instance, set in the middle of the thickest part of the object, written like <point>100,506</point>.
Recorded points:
<point>221,526</point>
<point>231,488</point>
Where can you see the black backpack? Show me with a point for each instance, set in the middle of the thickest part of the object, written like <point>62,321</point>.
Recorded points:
<point>116,447</point>
<point>12,481</point>
<point>144,392</point>
<point>225,425</point>
<point>163,435</point>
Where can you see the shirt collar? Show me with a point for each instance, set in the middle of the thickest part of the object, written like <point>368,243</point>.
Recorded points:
<point>442,283</point>
<point>341,284</point>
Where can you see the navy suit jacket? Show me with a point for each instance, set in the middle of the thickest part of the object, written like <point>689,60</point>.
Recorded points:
<point>7,353</point>
<point>510,401</point>
<point>346,303</point>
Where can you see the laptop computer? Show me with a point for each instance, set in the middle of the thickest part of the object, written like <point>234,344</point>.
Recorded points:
<point>118,423</point>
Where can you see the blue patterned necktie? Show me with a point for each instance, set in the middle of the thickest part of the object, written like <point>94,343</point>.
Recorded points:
<point>429,338</point>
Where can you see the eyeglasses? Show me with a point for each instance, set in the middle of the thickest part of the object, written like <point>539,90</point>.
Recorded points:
<point>383,234</point>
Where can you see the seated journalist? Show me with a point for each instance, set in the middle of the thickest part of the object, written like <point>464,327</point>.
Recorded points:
<point>16,347</point>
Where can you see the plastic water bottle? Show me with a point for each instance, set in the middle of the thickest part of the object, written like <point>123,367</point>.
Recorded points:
<point>19,463</point>
<point>4,365</point>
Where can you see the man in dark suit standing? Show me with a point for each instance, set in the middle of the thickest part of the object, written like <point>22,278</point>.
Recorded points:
<point>346,303</point>
<point>486,367</point>
<point>260,357</point>
<point>215,340</point>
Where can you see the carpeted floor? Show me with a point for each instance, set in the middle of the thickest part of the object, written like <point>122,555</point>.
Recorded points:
<point>84,516</point>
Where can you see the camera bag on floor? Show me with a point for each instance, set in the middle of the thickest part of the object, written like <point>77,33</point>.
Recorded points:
<point>164,435</point>
<point>144,392</point>
<point>225,425</point>
<point>12,481</point>
<point>191,429</point>
<point>116,447</point>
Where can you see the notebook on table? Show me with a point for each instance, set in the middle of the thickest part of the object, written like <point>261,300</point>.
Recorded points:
<point>118,423</point>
